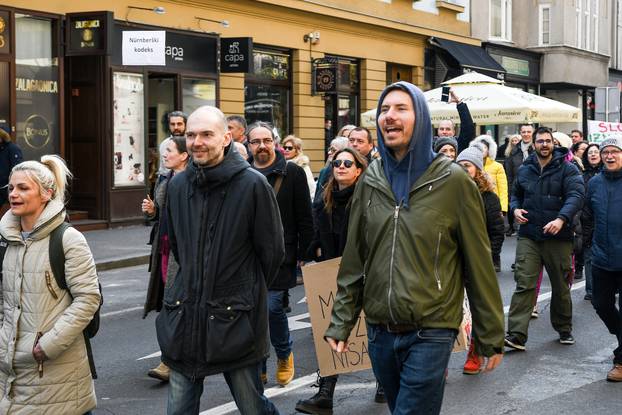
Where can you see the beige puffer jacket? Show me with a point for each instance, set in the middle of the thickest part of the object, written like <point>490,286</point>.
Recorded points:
<point>28,306</point>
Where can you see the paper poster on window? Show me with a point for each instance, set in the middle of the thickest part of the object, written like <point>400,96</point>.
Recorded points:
<point>129,130</point>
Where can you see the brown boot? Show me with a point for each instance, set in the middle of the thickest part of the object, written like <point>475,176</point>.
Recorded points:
<point>285,370</point>
<point>161,372</point>
<point>615,374</point>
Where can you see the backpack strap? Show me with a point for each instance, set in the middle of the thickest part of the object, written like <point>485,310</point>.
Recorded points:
<point>277,184</point>
<point>4,244</point>
<point>57,263</point>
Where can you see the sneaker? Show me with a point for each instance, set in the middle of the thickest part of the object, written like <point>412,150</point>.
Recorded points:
<point>587,297</point>
<point>534,312</point>
<point>379,397</point>
<point>615,374</point>
<point>474,363</point>
<point>161,372</point>
<point>285,370</point>
<point>514,342</point>
<point>566,338</point>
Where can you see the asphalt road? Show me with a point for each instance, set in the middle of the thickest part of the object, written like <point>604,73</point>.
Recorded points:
<point>548,378</point>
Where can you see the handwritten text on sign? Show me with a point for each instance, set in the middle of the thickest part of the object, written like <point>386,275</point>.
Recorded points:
<point>321,287</point>
<point>144,48</point>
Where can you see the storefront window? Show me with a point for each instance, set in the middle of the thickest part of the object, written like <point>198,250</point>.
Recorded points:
<point>129,129</point>
<point>342,108</point>
<point>36,86</point>
<point>198,92</point>
<point>267,93</point>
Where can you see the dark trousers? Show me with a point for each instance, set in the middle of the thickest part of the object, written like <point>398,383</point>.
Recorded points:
<point>605,284</point>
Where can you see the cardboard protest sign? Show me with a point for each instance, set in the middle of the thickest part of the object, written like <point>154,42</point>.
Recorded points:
<point>463,339</point>
<point>321,289</point>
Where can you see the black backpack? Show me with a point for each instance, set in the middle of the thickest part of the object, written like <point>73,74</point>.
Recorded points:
<point>57,263</point>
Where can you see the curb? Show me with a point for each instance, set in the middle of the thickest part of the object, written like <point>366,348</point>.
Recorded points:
<point>108,265</point>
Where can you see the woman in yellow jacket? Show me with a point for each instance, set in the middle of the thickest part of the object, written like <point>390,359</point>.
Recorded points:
<point>44,367</point>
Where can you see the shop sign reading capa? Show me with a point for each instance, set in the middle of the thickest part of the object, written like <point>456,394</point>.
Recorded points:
<point>175,52</point>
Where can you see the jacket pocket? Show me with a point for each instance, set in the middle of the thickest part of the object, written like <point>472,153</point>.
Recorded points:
<point>230,335</point>
<point>170,330</point>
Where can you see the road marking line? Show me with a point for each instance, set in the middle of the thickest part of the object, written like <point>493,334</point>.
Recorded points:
<point>269,393</point>
<point>151,356</point>
<point>303,300</point>
<point>295,324</point>
<point>116,313</point>
<point>547,295</point>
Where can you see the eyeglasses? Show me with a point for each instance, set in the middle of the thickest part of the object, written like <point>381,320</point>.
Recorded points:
<point>257,141</point>
<point>540,142</point>
<point>288,148</point>
<point>347,163</point>
<point>610,153</point>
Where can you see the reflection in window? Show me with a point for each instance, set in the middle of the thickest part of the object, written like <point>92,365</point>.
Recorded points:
<point>198,92</point>
<point>36,86</point>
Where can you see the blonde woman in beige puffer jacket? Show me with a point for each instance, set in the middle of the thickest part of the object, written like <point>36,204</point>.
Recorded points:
<point>44,367</point>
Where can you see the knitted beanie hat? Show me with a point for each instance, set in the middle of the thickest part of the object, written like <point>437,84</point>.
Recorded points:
<point>613,141</point>
<point>442,141</point>
<point>473,155</point>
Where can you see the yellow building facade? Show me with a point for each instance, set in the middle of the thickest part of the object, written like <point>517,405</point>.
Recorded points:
<point>372,42</point>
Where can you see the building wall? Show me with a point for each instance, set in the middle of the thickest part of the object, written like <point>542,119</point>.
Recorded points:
<point>373,31</point>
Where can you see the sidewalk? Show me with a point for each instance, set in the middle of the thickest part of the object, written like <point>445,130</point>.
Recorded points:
<point>119,247</point>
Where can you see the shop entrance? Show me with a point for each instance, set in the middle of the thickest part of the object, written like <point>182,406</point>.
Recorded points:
<point>162,98</point>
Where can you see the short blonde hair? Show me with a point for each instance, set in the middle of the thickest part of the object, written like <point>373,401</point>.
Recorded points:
<point>51,173</point>
<point>297,142</point>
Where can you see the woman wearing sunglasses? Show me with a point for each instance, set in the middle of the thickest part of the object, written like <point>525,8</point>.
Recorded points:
<point>331,228</point>
<point>292,150</point>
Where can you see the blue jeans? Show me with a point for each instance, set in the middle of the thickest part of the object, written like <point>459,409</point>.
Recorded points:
<point>587,266</point>
<point>279,327</point>
<point>411,367</point>
<point>184,395</point>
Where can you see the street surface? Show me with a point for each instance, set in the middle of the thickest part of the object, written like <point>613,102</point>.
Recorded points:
<point>548,378</point>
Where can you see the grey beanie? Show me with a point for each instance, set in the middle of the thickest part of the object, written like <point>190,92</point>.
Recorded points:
<point>442,141</point>
<point>473,155</point>
<point>613,141</point>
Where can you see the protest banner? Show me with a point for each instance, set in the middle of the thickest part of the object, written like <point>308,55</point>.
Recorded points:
<point>600,130</point>
<point>321,288</point>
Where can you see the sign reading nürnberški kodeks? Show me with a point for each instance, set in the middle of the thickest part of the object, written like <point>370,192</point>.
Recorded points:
<point>601,130</point>
<point>144,48</point>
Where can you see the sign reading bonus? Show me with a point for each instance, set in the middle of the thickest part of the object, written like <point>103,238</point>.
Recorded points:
<point>321,288</point>
<point>145,48</point>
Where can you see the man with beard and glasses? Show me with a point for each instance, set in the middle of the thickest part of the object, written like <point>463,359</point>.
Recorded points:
<point>226,236</point>
<point>547,194</point>
<point>289,182</point>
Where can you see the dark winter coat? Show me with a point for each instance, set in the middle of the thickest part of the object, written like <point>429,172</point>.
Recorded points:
<point>295,209</point>
<point>10,156</point>
<point>155,288</point>
<point>590,172</point>
<point>494,222</point>
<point>557,191</point>
<point>602,222</point>
<point>331,229</point>
<point>513,163</point>
<point>226,235</point>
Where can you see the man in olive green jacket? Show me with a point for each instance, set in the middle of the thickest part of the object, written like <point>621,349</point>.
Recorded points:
<point>417,237</point>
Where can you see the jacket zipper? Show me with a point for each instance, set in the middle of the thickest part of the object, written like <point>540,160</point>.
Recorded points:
<point>396,216</point>
<point>438,249</point>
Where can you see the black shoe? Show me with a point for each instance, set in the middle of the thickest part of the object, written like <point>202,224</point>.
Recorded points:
<point>322,402</point>
<point>513,266</point>
<point>379,397</point>
<point>566,338</point>
<point>588,297</point>
<point>578,274</point>
<point>509,233</point>
<point>514,342</point>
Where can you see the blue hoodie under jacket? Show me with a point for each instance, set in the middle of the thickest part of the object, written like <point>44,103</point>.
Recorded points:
<point>404,173</point>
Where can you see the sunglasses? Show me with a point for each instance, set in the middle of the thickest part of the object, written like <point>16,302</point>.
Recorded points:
<point>288,148</point>
<point>347,163</point>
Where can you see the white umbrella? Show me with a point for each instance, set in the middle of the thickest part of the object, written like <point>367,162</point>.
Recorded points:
<point>491,102</point>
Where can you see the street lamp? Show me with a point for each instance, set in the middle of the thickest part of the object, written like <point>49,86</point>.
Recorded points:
<point>224,23</point>
<point>156,10</point>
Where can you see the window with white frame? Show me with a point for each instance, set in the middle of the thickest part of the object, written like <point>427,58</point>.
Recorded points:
<point>501,19</point>
<point>544,29</point>
<point>587,24</point>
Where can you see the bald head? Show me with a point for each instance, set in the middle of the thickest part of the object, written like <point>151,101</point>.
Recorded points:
<point>207,135</point>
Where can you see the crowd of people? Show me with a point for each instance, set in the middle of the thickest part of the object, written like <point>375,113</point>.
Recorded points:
<point>236,211</point>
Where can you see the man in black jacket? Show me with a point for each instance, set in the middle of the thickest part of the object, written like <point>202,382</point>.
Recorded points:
<point>225,233</point>
<point>515,160</point>
<point>292,194</point>
<point>548,192</point>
